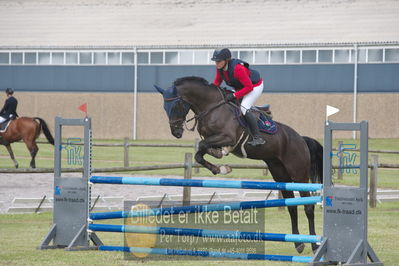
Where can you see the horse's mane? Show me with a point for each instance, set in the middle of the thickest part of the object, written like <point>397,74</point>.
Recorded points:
<point>198,80</point>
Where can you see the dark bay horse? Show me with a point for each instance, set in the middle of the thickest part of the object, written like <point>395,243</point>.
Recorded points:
<point>27,129</point>
<point>289,156</point>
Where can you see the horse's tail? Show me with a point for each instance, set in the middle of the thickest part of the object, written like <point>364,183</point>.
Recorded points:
<point>46,131</point>
<point>316,158</point>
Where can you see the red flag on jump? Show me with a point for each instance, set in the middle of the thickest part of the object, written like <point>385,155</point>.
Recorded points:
<point>83,108</point>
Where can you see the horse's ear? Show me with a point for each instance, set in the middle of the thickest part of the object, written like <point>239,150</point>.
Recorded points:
<point>161,91</point>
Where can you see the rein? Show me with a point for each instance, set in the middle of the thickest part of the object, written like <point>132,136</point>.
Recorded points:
<point>177,122</point>
<point>199,116</point>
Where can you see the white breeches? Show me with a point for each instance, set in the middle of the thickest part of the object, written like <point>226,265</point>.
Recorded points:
<point>249,99</point>
<point>2,119</point>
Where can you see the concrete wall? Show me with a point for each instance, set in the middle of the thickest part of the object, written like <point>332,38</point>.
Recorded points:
<point>112,113</point>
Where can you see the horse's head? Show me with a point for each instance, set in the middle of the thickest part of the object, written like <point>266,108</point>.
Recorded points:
<point>176,108</point>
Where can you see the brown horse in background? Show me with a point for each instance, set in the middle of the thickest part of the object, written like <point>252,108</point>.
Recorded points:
<point>27,129</point>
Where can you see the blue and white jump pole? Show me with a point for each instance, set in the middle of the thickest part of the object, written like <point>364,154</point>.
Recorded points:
<point>182,252</point>
<point>158,230</point>
<point>205,183</point>
<point>207,208</point>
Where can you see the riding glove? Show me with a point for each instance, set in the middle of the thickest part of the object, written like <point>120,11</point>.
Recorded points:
<point>230,97</point>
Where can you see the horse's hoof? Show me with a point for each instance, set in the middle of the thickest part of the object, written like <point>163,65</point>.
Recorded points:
<point>299,247</point>
<point>225,169</point>
<point>215,170</point>
<point>315,247</point>
<point>16,166</point>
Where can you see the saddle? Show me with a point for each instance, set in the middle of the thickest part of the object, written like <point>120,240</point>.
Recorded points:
<point>263,113</point>
<point>265,121</point>
<point>4,125</point>
<point>264,109</point>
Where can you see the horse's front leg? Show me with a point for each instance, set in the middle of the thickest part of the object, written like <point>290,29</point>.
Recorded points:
<point>219,152</point>
<point>215,152</point>
<point>8,146</point>
<point>212,146</point>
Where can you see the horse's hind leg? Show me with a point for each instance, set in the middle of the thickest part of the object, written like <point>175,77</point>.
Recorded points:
<point>12,155</point>
<point>309,211</point>
<point>280,174</point>
<point>33,149</point>
<point>293,211</point>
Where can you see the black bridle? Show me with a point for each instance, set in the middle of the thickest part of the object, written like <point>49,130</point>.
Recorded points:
<point>177,123</point>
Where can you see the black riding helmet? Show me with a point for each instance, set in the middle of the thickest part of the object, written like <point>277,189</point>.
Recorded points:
<point>219,55</point>
<point>9,91</point>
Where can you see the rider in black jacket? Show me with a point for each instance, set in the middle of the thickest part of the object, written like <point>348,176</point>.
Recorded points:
<point>9,110</point>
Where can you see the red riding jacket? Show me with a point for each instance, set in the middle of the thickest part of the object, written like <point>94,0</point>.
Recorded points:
<point>238,76</point>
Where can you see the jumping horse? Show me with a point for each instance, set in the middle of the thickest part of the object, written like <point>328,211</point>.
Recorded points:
<point>289,156</point>
<point>27,129</point>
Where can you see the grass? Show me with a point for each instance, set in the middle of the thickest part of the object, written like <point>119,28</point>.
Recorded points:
<point>21,234</point>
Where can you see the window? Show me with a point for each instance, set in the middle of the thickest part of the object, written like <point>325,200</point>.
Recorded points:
<point>171,58</point>
<point>234,54</point>
<point>4,58</point>
<point>341,56</point>
<point>293,57</point>
<point>100,58</point>
<point>127,58</point>
<point>247,56</point>
<point>352,56</point>
<point>142,58</point>
<point>156,57</point>
<point>186,57</point>
<point>325,56</point>
<point>309,56</point>
<point>30,58</point>
<point>16,58</point>
<point>374,55</point>
<point>277,57</point>
<point>261,57</point>
<point>391,55</point>
<point>361,55</point>
<point>71,58</point>
<point>114,58</point>
<point>44,58</point>
<point>85,58</point>
<point>57,58</point>
<point>201,57</point>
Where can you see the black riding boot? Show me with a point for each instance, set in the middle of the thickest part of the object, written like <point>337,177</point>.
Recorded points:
<point>254,130</point>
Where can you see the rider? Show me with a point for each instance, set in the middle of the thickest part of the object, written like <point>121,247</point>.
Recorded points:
<point>9,110</point>
<point>247,84</point>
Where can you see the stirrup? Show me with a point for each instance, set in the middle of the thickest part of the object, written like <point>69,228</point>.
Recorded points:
<point>257,141</point>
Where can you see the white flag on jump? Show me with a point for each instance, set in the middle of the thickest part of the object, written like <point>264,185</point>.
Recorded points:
<point>331,110</point>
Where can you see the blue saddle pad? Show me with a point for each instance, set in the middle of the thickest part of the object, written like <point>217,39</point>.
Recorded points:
<point>266,124</point>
